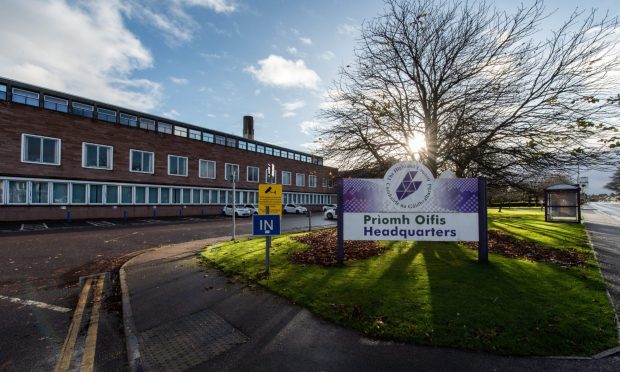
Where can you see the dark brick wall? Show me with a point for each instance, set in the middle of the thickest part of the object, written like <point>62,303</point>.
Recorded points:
<point>16,119</point>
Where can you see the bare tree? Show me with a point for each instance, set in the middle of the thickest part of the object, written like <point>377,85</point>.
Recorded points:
<point>487,94</point>
<point>614,184</point>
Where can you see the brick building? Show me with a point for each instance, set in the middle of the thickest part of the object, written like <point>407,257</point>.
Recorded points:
<point>63,154</point>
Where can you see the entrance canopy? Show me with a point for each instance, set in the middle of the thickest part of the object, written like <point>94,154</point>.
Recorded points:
<point>562,203</point>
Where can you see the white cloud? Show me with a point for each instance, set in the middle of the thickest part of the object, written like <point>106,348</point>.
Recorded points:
<point>309,127</point>
<point>257,92</point>
<point>310,146</point>
<point>327,55</point>
<point>211,115</point>
<point>219,6</point>
<point>172,114</point>
<point>173,18</point>
<point>179,81</point>
<point>281,72</point>
<point>292,50</point>
<point>85,50</point>
<point>288,114</point>
<point>293,105</point>
<point>305,40</point>
<point>258,115</point>
<point>347,29</point>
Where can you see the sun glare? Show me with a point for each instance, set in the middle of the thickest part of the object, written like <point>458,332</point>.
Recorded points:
<point>417,143</point>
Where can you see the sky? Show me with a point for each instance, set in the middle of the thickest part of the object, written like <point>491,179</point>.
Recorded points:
<point>204,62</point>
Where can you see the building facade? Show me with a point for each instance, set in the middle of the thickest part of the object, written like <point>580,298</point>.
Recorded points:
<point>69,157</point>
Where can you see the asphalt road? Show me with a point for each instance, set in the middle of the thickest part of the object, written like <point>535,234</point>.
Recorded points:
<point>46,266</point>
<point>610,209</point>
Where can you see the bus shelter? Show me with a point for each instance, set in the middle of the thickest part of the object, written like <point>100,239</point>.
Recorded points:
<point>563,203</point>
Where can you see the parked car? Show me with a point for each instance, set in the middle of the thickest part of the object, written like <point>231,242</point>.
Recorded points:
<point>330,214</point>
<point>252,207</point>
<point>239,211</point>
<point>294,208</point>
<point>329,206</point>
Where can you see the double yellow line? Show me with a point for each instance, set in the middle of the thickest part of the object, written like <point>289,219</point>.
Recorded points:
<point>88,356</point>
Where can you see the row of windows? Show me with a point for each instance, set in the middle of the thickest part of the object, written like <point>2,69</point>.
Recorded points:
<point>30,98</point>
<point>46,150</point>
<point>45,192</point>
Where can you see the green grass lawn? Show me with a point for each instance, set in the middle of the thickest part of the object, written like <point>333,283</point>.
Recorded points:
<point>437,293</point>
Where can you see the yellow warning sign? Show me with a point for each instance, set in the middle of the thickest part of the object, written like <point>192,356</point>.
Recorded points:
<point>269,195</point>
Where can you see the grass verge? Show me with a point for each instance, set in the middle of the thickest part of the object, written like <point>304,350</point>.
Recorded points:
<point>437,294</point>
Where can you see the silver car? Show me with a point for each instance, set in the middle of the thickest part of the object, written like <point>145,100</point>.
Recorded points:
<point>240,211</point>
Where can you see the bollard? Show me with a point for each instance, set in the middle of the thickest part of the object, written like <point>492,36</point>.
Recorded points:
<point>154,213</point>
<point>125,215</point>
<point>309,213</point>
<point>68,216</point>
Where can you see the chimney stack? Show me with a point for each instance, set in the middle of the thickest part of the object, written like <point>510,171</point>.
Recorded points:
<point>248,127</point>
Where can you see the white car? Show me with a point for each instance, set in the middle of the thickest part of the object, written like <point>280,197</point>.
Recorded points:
<point>294,208</point>
<point>252,207</point>
<point>330,214</point>
<point>239,211</point>
<point>327,207</point>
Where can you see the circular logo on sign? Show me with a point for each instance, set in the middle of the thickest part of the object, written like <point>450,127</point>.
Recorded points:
<point>408,184</point>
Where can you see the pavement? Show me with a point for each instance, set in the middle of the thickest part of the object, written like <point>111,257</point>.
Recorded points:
<point>180,315</point>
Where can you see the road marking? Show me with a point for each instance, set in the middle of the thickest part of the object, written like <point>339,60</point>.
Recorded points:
<point>33,226</point>
<point>42,305</point>
<point>64,362</point>
<point>101,223</point>
<point>88,358</point>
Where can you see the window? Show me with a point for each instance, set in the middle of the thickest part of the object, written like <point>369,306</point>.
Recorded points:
<point>176,196</point>
<point>231,142</point>
<point>148,124</point>
<point>286,178</point>
<point>276,152</point>
<point>297,157</point>
<point>2,191</point>
<point>324,182</point>
<point>141,161</point>
<point>39,193</point>
<point>303,158</point>
<point>41,150</point>
<point>220,140</point>
<point>253,174</point>
<point>96,156</point>
<point>268,151</point>
<point>82,109</point>
<point>140,195</point>
<point>260,149</point>
<point>25,97</point>
<point>330,183</point>
<point>153,195</point>
<point>243,145</point>
<point>283,154</point>
<point>3,92</point>
<point>207,169</point>
<point>55,104</point>
<point>186,195</point>
<point>251,147</point>
<point>78,193</point>
<point>164,128</point>
<point>111,194</point>
<point>274,178</point>
<point>106,115</point>
<point>126,194</point>
<point>165,195</point>
<point>291,155</point>
<point>207,137</point>
<point>129,120</point>
<point>195,196</point>
<point>229,170</point>
<point>60,192</point>
<point>194,134</point>
<point>17,192</point>
<point>180,131</point>
<point>312,181</point>
<point>95,193</point>
<point>300,179</point>
<point>177,165</point>
<point>205,197</point>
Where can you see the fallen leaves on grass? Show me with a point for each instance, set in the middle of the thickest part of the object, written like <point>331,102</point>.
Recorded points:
<point>512,247</point>
<point>322,249</point>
